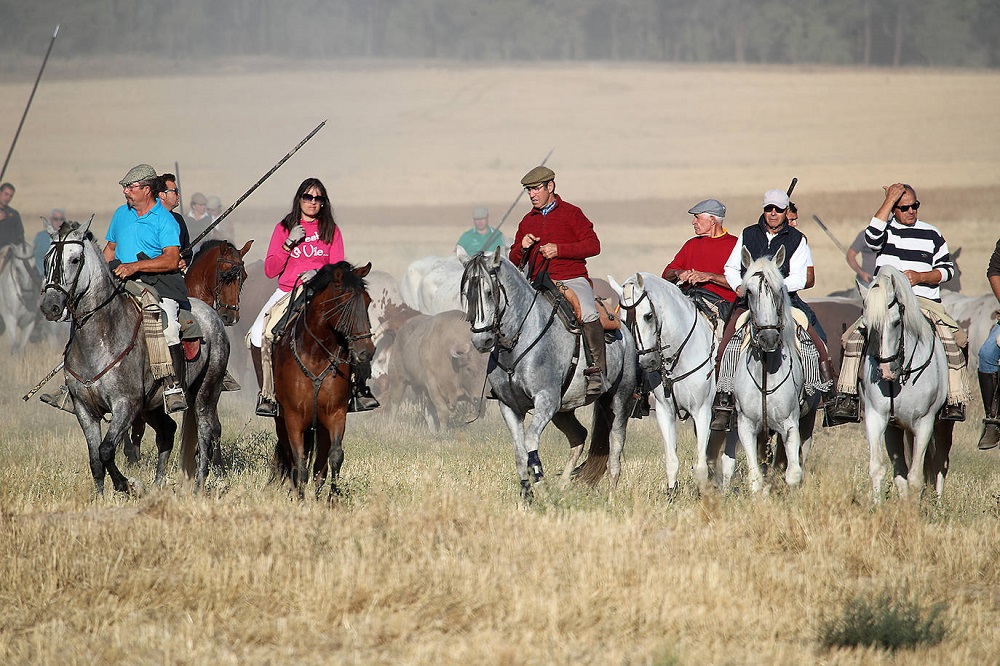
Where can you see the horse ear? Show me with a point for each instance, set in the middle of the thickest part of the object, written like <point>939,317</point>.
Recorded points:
<point>462,254</point>
<point>617,288</point>
<point>246,248</point>
<point>745,257</point>
<point>779,258</point>
<point>497,254</point>
<point>86,225</point>
<point>49,229</point>
<point>862,289</point>
<point>362,271</point>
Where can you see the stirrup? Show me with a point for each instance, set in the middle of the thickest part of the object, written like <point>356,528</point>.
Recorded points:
<point>723,409</point>
<point>362,400</point>
<point>174,399</point>
<point>952,412</point>
<point>61,398</point>
<point>229,383</point>
<point>266,407</point>
<point>596,385</point>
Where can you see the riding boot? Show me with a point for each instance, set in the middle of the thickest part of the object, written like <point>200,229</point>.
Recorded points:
<point>952,412</point>
<point>828,378</point>
<point>722,411</point>
<point>265,407</point>
<point>361,399</point>
<point>593,340</point>
<point>174,396</point>
<point>61,398</point>
<point>842,408</point>
<point>229,383</point>
<point>641,396</point>
<point>988,384</point>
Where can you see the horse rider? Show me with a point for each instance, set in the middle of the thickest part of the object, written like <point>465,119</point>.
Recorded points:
<point>698,267</point>
<point>763,239</point>
<point>989,365</point>
<point>921,253</point>
<point>556,237</point>
<point>143,246</point>
<point>304,241</point>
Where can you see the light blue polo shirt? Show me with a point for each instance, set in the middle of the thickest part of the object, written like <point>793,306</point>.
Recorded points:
<point>149,233</point>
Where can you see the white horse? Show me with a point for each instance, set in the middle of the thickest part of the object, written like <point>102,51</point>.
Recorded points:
<point>901,350</point>
<point>676,347</point>
<point>770,374</point>
<point>19,285</point>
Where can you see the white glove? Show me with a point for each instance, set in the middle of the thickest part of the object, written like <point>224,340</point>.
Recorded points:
<point>308,275</point>
<point>295,236</point>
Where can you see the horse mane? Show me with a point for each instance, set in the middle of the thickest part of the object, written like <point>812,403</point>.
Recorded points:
<point>891,280</point>
<point>208,246</point>
<point>776,281</point>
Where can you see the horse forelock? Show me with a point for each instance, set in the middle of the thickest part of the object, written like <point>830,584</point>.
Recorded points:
<point>894,283</point>
<point>473,276</point>
<point>771,274</point>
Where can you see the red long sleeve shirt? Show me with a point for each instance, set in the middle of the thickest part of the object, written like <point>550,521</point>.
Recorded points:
<point>571,231</point>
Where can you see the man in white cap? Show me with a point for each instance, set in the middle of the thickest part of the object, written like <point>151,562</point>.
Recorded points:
<point>763,239</point>
<point>481,237</point>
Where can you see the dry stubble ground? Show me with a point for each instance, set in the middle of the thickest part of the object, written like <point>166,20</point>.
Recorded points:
<point>429,556</point>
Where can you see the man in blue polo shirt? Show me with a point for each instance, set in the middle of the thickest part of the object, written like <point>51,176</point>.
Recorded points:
<point>144,245</point>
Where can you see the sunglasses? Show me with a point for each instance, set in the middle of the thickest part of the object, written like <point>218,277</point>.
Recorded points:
<point>915,205</point>
<point>309,198</point>
<point>771,208</point>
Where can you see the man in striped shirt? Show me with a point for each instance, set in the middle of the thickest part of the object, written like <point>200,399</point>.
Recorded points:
<point>920,252</point>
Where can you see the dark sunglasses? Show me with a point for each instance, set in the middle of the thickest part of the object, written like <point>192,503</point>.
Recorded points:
<point>915,206</point>
<point>771,208</point>
<point>309,198</point>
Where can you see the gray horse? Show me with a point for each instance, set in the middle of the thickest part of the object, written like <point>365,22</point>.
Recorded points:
<point>18,293</point>
<point>105,361</point>
<point>533,365</point>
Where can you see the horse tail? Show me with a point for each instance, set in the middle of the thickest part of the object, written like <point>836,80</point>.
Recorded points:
<point>189,443</point>
<point>594,467</point>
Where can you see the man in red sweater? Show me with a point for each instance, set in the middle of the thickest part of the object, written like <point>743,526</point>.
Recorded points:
<point>555,236</point>
<point>698,266</point>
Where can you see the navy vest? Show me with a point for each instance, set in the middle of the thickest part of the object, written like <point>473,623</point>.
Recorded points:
<point>761,244</point>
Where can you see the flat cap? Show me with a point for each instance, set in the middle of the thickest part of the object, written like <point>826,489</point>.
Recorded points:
<point>538,175</point>
<point>480,213</point>
<point>198,198</point>
<point>710,206</point>
<point>137,173</point>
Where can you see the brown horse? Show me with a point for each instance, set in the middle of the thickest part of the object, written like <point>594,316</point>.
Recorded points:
<point>326,332</point>
<point>215,276</point>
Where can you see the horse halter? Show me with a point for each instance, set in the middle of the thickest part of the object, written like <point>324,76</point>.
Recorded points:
<point>641,349</point>
<point>898,355</point>
<point>228,271</point>
<point>55,281</point>
<point>499,309</point>
<point>755,328</point>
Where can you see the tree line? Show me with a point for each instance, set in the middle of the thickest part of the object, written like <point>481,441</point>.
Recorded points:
<point>896,33</point>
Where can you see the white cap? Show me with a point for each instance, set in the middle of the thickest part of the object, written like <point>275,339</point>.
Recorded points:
<point>777,198</point>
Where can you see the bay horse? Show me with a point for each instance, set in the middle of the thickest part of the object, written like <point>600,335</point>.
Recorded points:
<point>106,364</point>
<point>770,375</point>
<point>533,366</point>
<point>215,276</point>
<point>676,348</point>
<point>902,348</point>
<point>18,292</point>
<point>327,332</point>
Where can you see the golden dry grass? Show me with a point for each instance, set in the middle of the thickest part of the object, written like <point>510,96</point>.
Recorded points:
<point>430,556</point>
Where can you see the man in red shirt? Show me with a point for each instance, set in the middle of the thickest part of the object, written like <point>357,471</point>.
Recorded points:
<point>555,236</point>
<point>698,266</point>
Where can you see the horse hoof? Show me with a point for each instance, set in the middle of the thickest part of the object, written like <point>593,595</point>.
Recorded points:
<point>527,492</point>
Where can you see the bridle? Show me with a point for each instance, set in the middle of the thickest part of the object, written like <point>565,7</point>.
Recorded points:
<point>757,329</point>
<point>55,280</point>
<point>228,271</point>
<point>900,353</point>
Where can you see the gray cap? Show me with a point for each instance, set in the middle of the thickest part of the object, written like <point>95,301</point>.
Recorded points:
<point>710,206</point>
<point>137,173</point>
<point>480,213</point>
<point>538,175</point>
<point>198,198</point>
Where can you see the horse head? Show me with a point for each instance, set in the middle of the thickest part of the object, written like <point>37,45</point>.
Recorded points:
<point>68,274</point>
<point>216,276</point>
<point>890,311</point>
<point>767,300</point>
<point>340,304</point>
<point>485,297</point>
<point>642,320</point>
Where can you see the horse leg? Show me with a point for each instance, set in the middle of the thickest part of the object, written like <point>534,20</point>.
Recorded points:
<point>321,456</point>
<point>576,435</point>
<point>896,449</point>
<point>666,419</point>
<point>165,429</point>
<point>282,463</point>
<point>748,438</point>
<point>875,428</point>
<point>702,417</point>
<point>792,444</point>
<point>936,465</point>
<point>131,444</point>
<point>922,433</point>
<point>106,449</point>
<point>336,455</point>
<point>92,432</point>
<point>545,408</point>
<point>515,423</point>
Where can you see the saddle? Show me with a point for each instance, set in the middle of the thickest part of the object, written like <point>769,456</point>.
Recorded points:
<point>567,305</point>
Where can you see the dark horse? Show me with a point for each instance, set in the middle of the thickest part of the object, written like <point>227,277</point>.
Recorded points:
<point>215,276</point>
<point>106,362</point>
<point>327,331</point>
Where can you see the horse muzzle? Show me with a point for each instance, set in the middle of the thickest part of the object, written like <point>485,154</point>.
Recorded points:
<point>53,306</point>
<point>483,342</point>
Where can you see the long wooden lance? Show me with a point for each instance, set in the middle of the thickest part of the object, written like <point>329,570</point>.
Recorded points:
<point>31,97</point>
<point>177,184</point>
<point>496,229</point>
<point>832,237</point>
<point>254,187</point>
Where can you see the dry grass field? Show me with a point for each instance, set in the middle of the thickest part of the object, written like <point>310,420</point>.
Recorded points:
<point>430,557</point>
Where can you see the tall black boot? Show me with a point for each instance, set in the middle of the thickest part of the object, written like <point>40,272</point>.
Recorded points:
<point>828,376</point>
<point>988,384</point>
<point>265,407</point>
<point>361,399</point>
<point>174,395</point>
<point>593,340</point>
<point>722,411</point>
